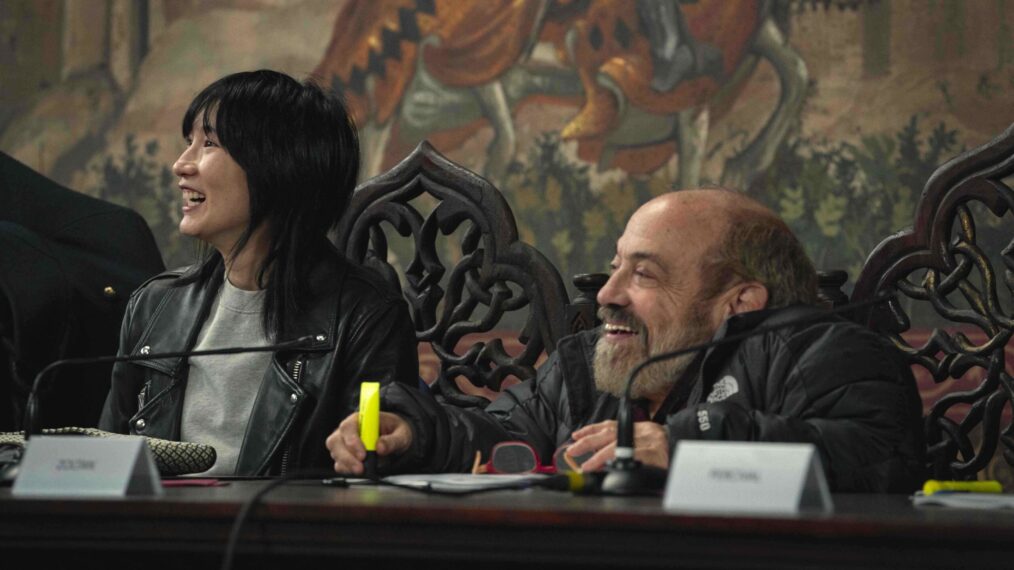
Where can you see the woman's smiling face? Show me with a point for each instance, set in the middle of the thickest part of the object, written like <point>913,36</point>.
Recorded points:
<point>216,197</point>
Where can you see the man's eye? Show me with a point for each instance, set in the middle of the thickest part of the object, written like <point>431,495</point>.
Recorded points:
<point>209,143</point>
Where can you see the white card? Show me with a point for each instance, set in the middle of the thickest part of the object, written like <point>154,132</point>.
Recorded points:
<point>746,477</point>
<point>78,466</point>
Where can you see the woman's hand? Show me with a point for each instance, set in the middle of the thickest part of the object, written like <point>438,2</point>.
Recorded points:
<point>346,448</point>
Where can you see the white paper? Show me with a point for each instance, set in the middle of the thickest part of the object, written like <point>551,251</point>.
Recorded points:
<point>965,500</point>
<point>464,482</point>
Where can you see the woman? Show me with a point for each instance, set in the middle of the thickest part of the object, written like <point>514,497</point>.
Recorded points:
<point>268,168</point>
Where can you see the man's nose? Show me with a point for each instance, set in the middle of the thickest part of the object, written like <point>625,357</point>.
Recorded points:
<point>613,292</point>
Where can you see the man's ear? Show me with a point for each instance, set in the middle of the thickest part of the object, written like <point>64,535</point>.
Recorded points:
<point>743,298</point>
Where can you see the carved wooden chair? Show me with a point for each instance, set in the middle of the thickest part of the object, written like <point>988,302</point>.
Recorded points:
<point>953,312</point>
<point>952,316</point>
<point>449,240</point>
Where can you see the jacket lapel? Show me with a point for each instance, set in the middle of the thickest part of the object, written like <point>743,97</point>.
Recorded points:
<point>171,328</point>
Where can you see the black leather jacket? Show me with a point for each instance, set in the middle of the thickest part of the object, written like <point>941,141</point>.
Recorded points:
<point>362,332</point>
<point>832,383</point>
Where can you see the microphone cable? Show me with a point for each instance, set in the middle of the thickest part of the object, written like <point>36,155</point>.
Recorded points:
<point>32,405</point>
<point>624,462</point>
<point>248,507</point>
<point>556,482</point>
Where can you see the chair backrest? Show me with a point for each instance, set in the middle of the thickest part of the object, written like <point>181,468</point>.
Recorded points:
<point>470,293</point>
<point>486,303</point>
<point>953,273</point>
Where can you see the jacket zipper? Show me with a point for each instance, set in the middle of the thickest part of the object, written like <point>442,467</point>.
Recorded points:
<point>142,396</point>
<point>297,368</point>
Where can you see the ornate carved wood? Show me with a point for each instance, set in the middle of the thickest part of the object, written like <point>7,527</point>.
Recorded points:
<point>583,311</point>
<point>471,290</point>
<point>938,263</point>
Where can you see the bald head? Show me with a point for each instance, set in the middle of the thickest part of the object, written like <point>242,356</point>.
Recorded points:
<point>692,218</point>
<point>735,238</point>
<point>700,216</point>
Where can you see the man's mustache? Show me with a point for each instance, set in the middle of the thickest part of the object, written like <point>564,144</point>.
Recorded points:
<point>619,316</point>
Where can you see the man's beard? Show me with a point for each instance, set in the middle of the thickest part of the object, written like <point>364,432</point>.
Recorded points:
<point>613,363</point>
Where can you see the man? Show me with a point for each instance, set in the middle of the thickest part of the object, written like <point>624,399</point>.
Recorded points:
<point>68,263</point>
<point>690,266</point>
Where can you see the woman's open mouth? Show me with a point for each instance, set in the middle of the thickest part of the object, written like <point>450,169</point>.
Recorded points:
<point>192,197</point>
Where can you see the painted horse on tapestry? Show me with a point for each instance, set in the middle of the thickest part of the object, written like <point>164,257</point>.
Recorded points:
<point>647,77</point>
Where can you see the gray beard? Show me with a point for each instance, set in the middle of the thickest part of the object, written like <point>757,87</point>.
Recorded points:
<point>612,364</point>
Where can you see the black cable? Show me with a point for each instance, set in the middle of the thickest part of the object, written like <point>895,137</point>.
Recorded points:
<point>32,405</point>
<point>249,506</point>
<point>252,503</point>
<point>559,482</point>
<point>624,419</point>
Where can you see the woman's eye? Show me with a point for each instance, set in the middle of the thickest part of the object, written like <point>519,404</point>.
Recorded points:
<point>209,143</point>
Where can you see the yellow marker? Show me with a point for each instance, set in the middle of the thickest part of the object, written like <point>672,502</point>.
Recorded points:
<point>934,486</point>
<point>369,424</point>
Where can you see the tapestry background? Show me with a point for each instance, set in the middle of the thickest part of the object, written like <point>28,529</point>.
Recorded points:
<point>833,112</point>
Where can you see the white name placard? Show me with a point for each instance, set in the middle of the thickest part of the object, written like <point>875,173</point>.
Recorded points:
<point>746,477</point>
<point>77,466</point>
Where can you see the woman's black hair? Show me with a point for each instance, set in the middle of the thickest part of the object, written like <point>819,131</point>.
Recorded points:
<point>299,149</point>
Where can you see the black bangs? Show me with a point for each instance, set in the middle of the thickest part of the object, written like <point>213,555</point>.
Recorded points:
<point>243,109</point>
<point>206,100</point>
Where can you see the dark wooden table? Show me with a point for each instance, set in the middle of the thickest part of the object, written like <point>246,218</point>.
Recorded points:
<point>310,525</point>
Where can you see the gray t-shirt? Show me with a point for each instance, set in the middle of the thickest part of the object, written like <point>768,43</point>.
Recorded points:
<point>221,389</point>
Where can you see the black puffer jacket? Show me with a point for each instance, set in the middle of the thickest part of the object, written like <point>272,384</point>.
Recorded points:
<point>832,383</point>
<point>363,333</point>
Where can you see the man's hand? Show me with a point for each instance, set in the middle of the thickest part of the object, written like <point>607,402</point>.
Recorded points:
<point>651,445</point>
<point>347,449</point>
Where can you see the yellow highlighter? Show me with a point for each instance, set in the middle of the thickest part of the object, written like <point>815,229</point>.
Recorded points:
<point>369,424</point>
<point>933,486</point>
